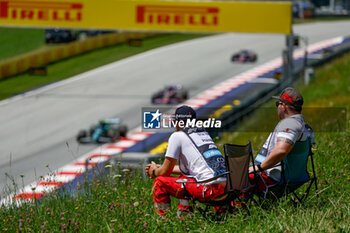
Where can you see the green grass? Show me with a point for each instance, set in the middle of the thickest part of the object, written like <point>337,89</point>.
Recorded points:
<point>15,41</point>
<point>81,63</point>
<point>122,202</point>
<point>330,88</point>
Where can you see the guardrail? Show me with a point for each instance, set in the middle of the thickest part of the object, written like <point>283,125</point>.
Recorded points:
<point>50,54</point>
<point>231,117</point>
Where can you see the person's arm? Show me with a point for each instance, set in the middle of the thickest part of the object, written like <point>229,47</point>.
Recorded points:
<point>176,170</point>
<point>171,157</point>
<point>165,170</point>
<point>282,148</point>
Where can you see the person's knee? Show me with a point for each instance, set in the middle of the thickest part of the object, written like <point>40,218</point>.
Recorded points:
<point>159,181</point>
<point>159,184</point>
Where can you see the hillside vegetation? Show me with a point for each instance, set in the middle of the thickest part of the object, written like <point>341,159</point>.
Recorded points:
<point>122,202</point>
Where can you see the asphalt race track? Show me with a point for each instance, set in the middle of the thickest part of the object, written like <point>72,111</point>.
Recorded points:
<point>38,129</point>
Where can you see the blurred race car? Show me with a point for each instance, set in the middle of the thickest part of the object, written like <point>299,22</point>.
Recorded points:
<point>244,56</point>
<point>60,35</point>
<point>108,130</point>
<point>172,94</point>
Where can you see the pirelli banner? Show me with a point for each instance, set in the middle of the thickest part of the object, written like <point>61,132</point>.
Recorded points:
<point>263,17</point>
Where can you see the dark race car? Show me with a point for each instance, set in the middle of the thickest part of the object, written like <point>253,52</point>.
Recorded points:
<point>60,35</point>
<point>108,130</point>
<point>244,56</point>
<point>172,94</point>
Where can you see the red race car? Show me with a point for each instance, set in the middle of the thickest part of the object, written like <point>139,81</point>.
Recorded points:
<point>172,94</point>
<point>244,56</point>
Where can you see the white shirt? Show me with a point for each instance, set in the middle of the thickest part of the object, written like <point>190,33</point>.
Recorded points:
<point>191,161</point>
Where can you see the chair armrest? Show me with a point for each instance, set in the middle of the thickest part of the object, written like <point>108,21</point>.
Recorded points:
<point>182,181</point>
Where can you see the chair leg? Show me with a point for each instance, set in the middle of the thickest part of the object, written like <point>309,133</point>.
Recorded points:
<point>309,188</point>
<point>252,199</point>
<point>306,193</point>
<point>300,200</point>
<point>218,216</point>
<point>313,170</point>
<point>203,211</point>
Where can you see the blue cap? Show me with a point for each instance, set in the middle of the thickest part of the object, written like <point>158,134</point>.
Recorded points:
<point>185,112</point>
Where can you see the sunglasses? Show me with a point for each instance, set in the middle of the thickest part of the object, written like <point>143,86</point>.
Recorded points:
<point>278,103</point>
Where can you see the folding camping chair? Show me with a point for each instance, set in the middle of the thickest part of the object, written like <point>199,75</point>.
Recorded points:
<point>237,159</point>
<point>295,173</point>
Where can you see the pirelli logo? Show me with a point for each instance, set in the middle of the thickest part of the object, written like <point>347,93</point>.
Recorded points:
<point>45,11</point>
<point>177,15</point>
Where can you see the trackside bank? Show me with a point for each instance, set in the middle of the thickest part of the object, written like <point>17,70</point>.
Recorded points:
<point>248,90</point>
